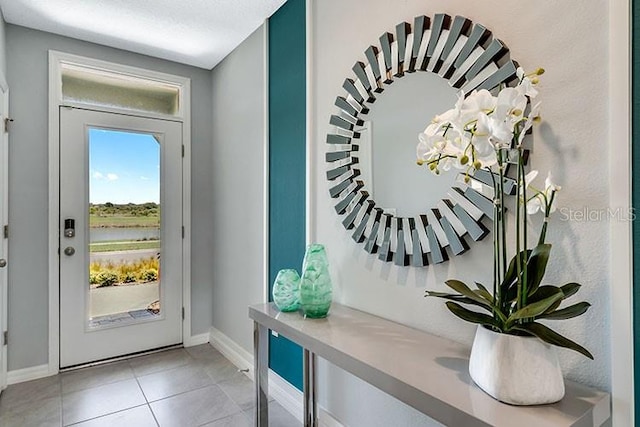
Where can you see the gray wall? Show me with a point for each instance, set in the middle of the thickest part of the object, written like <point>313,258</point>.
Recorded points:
<point>28,272</point>
<point>575,114</point>
<point>238,171</point>
<point>3,46</point>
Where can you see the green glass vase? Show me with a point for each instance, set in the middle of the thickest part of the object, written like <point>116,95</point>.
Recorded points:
<point>315,286</point>
<point>286,290</point>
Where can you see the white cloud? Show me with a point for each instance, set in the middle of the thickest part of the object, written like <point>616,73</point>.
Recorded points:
<point>100,176</point>
<point>144,178</point>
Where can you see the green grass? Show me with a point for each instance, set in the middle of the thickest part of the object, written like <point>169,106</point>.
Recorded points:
<point>123,221</point>
<point>123,246</point>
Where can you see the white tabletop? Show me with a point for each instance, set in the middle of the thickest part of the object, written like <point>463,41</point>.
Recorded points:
<point>427,372</point>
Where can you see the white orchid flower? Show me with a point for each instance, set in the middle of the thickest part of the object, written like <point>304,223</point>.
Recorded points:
<point>439,149</point>
<point>535,204</point>
<point>432,129</point>
<point>528,178</point>
<point>534,115</point>
<point>527,87</point>
<point>510,106</point>
<point>471,134</point>
<point>451,116</point>
<point>498,132</point>
<point>447,117</point>
<point>549,185</point>
<point>484,152</point>
<point>527,84</point>
<point>480,101</point>
<point>543,201</point>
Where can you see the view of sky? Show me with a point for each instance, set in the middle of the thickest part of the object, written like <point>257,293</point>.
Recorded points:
<point>123,167</point>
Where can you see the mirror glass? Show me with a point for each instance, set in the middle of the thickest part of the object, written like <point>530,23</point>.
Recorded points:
<point>389,139</point>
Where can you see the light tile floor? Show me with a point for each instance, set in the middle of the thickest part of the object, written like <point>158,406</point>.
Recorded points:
<point>196,386</point>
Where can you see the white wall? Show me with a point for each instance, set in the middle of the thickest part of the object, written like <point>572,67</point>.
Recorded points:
<point>572,45</point>
<point>238,177</point>
<point>28,185</point>
<point>3,46</point>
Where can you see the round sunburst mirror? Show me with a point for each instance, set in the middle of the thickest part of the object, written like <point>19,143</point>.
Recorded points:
<point>392,207</point>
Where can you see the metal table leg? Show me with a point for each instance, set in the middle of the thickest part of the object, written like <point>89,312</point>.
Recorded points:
<point>261,373</point>
<point>309,363</point>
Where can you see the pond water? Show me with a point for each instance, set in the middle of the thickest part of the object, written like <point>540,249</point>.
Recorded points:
<point>123,234</point>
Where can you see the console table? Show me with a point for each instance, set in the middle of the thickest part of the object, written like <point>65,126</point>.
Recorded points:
<point>424,371</point>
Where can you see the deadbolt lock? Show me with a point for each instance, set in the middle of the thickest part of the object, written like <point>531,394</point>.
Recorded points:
<point>69,227</point>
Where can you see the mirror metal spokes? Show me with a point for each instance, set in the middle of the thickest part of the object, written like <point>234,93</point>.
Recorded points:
<point>468,58</point>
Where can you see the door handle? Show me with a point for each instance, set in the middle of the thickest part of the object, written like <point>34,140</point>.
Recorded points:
<point>68,251</point>
<point>3,263</point>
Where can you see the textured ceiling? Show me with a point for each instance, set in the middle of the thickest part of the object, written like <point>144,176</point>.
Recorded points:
<point>194,32</point>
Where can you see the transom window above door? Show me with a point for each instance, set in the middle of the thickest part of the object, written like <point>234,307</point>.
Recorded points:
<point>93,86</point>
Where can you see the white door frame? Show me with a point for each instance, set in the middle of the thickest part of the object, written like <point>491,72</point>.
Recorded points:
<point>4,216</point>
<point>56,59</point>
<point>621,249</point>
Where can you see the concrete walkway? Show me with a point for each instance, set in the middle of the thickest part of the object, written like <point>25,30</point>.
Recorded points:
<point>122,299</point>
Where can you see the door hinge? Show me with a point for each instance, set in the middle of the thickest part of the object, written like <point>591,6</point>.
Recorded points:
<point>182,313</point>
<point>5,337</point>
<point>183,231</point>
<point>183,150</point>
<point>7,120</point>
<point>5,231</point>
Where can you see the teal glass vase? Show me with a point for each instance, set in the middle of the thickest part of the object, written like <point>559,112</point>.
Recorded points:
<point>286,290</point>
<point>315,286</point>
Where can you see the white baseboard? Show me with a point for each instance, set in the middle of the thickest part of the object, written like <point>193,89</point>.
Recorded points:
<point>232,351</point>
<point>289,397</point>
<point>28,374</point>
<point>196,340</point>
<point>326,420</point>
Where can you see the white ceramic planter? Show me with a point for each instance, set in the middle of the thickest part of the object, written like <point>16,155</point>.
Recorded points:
<point>516,370</point>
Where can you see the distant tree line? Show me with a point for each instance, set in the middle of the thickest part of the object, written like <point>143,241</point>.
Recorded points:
<point>150,209</point>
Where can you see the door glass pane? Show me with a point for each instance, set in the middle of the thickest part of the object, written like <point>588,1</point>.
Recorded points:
<point>124,221</point>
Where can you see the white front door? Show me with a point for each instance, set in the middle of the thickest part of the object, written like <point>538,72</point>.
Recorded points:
<point>4,217</point>
<point>120,235</point>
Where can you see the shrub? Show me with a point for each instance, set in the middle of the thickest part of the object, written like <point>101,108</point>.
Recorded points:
<point>143,270</point>
<point>107,278</point>
<point>93,278</point>
<point>148,275</point>
<point>128,277</point>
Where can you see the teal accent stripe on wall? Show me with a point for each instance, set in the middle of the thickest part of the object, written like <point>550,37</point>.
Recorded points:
<point>635,137</point>
<point>287,163</point>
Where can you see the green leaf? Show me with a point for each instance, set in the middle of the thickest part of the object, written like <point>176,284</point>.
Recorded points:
<point>507,287</point>
<point>552,337</point>
<point>471,316</point>
<point>460,287</point>
<point>457,298</point>
<point>534,309</point>
<point>545,292</point>
<point>484,293</point>
<point>536,267</point>
<point>567,312</point>
<point>570,289</point>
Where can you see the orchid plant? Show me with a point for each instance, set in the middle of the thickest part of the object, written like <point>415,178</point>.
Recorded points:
<point>488,132</point>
